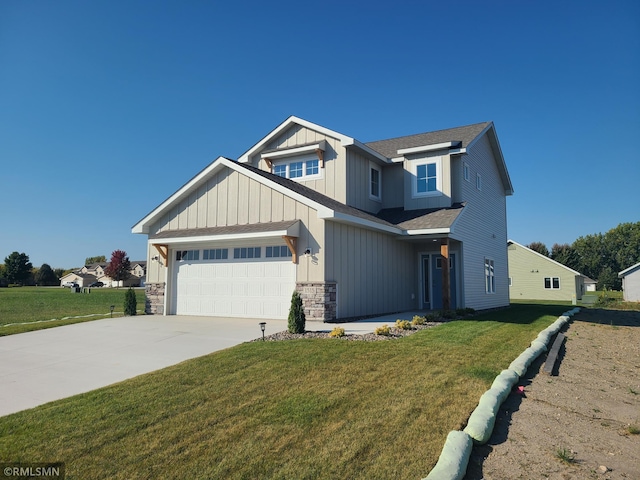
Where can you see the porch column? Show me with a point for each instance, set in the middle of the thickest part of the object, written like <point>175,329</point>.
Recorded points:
<point>446,277</point>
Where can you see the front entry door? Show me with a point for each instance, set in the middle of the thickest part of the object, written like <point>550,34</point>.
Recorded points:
<point>436,280</point>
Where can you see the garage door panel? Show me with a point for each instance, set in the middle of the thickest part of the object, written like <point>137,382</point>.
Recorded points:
<point>256,288</point>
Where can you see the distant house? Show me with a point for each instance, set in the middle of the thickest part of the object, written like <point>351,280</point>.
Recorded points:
<point>96,272</point>
<point>358,229</point>
<point>533,276</point>
<point>590,284</point>
<point>631,283</point>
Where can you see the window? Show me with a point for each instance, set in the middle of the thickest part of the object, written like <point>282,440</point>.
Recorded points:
<point>375,177</point>
<point>215,254</point>
<point>301,168</point>
<point>187,255</point>
<point>247,252</point>
<point>479,181</point>
<point>426,178</point>
<point>280,170</point>
<point>312,167</point>
<point>510,281</point>
<point>278,251</point>
<point>552,283</point>
<point>490,276</point>
<point>465,172</point>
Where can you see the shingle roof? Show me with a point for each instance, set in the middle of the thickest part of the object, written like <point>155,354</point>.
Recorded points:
<point>429,218</point>
<point>389,148</point>
<point>228,230</point>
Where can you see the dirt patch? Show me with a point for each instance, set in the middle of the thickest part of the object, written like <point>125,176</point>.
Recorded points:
<point>585,412</point>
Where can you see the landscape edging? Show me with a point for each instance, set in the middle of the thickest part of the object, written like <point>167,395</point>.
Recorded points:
<point>454,458</point>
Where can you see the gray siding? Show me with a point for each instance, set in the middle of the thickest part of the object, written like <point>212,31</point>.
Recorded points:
<point>528,271</point>
<point>357,171</point>
<point>631,286</point>
<point>333,181</point>
<point>230,198</point>
<point>374,272</point>
<point>482,227</point>
<point>440,201</point>
<point>392,186</point>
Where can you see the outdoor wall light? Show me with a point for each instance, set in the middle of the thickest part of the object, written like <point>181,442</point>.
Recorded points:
<point>263,325</point>
<point>112,307</point>
<point>155,258</point>
<point>307,252</point>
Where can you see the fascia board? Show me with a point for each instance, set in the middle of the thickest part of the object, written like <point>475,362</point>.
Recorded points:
<point>428,148</point>
<point>361,222</point>
<point>429,231</point>
<point>244,158</point>
<point>546,258</point>
<point>143,225</point>
<point>626,271</point>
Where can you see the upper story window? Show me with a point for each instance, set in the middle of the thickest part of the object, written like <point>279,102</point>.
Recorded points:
<point>375,182</point>
<point>307,168</point>
<point>465,172</point>
<point>427,179</point>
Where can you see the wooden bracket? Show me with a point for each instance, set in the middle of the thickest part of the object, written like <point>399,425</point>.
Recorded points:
<point>291,243</point>
<point>269,163</point>
<point>320,157</point>
<point>163,250</point>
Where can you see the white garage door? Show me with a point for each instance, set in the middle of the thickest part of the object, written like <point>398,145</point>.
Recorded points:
<point>235,288</point>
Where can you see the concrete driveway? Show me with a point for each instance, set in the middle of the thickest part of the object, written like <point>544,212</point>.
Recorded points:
<point>46,365</point>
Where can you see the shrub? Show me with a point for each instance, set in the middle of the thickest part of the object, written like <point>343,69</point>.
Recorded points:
<point>432,317</point>
<point>418,320</point>
<point>448,314</point>
<point>130,302</point>
<point>337,332</point>
<point>297,318</point>
<point>403,324</point>
<point>383,330</point>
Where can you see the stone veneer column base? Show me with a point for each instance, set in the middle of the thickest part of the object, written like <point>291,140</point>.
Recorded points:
<point>154,304</point>
<point>318,300</point>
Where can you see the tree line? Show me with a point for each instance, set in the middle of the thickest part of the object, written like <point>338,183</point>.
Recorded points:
<point>18,270</point>
<point>599,256</point>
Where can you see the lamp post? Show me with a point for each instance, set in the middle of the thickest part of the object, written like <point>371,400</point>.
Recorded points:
<point>262,327</point>
<point>112,307</point>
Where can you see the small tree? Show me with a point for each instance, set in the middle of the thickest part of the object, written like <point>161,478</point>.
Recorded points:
<point>46,276</point>
<point>130,303</point>
<point>539,247</point>
<point>98,259</point>
<point>118,268</point>
<point>297,318</point>
<point>17,268</point>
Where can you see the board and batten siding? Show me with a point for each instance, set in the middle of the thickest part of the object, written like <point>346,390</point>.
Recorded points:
<point>333,181</point>
<point>375,273</point>
<point>482,228</point>
<point>528,270</point>
<point>358,183</point>
<point>223,201</point>
<point>436,201</point>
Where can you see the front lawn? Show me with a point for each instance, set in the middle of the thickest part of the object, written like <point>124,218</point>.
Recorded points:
<point>23,309</point>
<point>316,408</point>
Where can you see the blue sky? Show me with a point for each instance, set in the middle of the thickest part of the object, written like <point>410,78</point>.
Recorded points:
<point>108,107</point>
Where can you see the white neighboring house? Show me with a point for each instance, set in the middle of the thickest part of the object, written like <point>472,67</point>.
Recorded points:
<point>631,283</point>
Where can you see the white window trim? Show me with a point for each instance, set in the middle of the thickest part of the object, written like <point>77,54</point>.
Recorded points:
<point>304,160</point>
<point>466,173</point>
<point>551,283</point>
<point>414,177</point>
<point>373,166</point>
<point>489,287</point>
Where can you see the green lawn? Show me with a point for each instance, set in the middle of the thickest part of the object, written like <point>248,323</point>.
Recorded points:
<point>36,306</point>
<point>318,408</point>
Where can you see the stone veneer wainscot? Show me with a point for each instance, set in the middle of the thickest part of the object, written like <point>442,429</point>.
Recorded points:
<point>318,300</point>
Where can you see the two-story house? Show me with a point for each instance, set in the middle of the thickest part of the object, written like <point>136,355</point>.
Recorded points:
<point>360,229</point>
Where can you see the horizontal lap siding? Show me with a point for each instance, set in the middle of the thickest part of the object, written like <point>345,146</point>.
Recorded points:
<point>230,198</point>
<point>528,271</point>
<point>374,272</point>
<point>482,228</point>
<point>631,285</point>
<point>439,201</point>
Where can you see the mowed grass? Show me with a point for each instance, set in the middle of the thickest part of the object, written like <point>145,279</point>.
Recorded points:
<point>303,409</point>
<point>46,307</point>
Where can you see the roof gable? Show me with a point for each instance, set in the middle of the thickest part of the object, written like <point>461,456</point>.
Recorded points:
<point>629,270</point>
<point>527,249</point>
